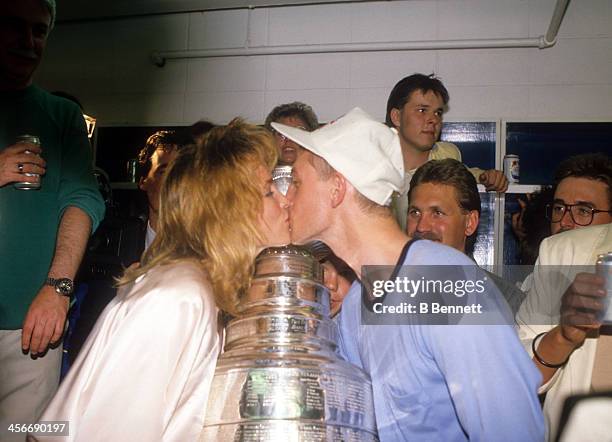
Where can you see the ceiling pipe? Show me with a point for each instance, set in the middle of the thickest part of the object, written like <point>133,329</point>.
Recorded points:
<point>159,57</point>
<point>555,22</point>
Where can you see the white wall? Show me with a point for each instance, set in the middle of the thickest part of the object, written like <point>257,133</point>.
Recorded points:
<point>106,63</point>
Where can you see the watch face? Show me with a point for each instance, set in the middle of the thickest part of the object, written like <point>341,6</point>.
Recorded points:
<point>64,286</point>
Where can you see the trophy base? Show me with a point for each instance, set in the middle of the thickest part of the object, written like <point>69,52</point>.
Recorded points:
<point>285,431</point>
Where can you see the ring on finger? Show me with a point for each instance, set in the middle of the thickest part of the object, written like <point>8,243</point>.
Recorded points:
<point>20,167</point>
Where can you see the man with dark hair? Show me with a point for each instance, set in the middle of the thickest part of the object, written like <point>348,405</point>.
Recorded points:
<point>554,320</point>
<point>415,108</point>
<point>560,321</point>
<point>445,207</point>
<point>582,193</point>
<point>294,114</point>
<point>153,160</point>
<point>43,232</point>
<point>402,91</point>
<point>581,196</point>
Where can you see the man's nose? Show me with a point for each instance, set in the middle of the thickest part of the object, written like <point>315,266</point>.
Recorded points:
<point>424,224</point>
<point>433,118</point>
<point>27,37</point>
<point>290,194</point>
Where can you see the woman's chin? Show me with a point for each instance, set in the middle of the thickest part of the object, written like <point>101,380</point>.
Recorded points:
<point>277,243</point>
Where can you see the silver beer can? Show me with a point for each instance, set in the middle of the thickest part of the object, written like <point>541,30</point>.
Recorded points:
<point>28,184</point>
<point>604,269</point>
<point>511,168</point>
<point>132,170</point>
<point>282,178</point>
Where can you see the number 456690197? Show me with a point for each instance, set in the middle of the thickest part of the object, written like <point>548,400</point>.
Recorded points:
<point>56,428</point>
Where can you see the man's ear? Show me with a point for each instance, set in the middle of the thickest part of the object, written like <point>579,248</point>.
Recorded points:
<point>142,182</point>
<point>337,189</point>
<point>471,222</point>
<point>396,117</point>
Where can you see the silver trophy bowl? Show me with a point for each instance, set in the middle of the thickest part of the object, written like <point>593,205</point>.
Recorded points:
<point>279,378</point>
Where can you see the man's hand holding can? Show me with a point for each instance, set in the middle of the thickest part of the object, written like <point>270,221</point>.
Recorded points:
<point>22,164</point>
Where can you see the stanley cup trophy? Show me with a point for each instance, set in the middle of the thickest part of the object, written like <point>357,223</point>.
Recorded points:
<point>279,378</point>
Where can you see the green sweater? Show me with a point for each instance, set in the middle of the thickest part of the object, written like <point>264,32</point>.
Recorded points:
<point>29,219</point>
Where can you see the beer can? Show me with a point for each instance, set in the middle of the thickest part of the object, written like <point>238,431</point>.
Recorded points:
<point>511,168</point>
<point>604,269</point>
<point>282,178</point>
<point>28,184</point>
<point>132,170</point>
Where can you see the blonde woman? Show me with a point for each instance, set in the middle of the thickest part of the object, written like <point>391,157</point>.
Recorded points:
<point>145,371</point>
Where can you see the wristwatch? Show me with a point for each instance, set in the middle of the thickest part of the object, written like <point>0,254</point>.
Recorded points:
<point>63,286</point>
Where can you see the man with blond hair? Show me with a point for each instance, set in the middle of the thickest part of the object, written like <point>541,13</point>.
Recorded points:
<point>430,382</point>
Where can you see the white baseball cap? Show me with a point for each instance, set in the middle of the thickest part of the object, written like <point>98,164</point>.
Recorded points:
<point>365,151</point>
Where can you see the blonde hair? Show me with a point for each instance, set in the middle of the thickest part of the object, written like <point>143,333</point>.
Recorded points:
<point>211,201</point>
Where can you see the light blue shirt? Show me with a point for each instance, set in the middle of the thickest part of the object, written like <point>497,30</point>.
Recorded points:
<point>444,382</point>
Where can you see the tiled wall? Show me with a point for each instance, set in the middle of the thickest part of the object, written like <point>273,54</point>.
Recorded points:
<point>106,64</point>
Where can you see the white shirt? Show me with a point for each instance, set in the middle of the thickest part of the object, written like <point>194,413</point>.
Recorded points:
<point>145,371</point>
<point>540,311</point>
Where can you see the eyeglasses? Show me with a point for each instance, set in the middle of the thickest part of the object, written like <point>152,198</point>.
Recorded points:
<point>581,214</point>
